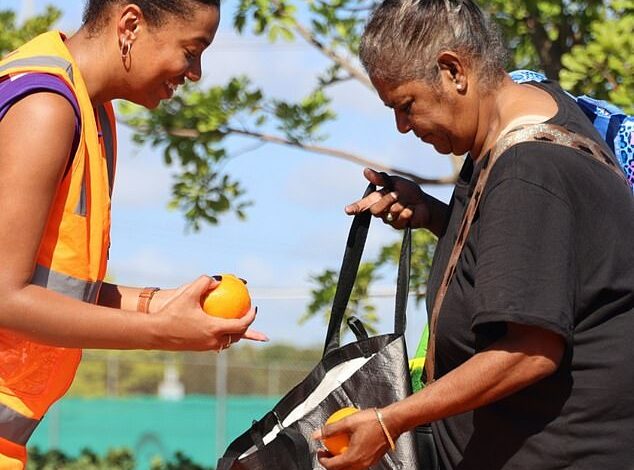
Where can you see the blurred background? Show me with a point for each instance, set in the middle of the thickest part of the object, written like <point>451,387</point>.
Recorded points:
<point>248,173</point>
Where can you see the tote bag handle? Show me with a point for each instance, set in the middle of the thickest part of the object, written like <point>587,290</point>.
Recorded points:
<point>348,274</point>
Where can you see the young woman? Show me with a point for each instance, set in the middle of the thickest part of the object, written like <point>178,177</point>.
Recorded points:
<point>57,162</point>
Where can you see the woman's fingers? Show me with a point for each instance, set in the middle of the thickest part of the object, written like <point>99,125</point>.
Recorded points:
<point>367,442</point>
<point>363,204</point>
<point>368,202</point>
<point>376,178</point>
<point>239,328</point>
<point>201,286</point>
<point>339,427</point>
<point>377,203</point>
<point>255,336</point>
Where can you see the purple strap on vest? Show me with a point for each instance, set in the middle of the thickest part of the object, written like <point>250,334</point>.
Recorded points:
<point>12,91</point>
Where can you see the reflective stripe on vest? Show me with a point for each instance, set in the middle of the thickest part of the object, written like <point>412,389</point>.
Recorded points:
<point>41,61</point>
<point>108,140</point>
<point>81,208</point>
<point>65,284</point>
<point>15,427</point>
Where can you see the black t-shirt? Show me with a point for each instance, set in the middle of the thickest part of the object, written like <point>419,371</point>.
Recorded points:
<point>552,245</point>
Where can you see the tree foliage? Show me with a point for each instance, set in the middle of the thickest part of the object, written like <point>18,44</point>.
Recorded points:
<point>118,459</point>
<point>13,35</point>
<point>115,459</point>
<point>360,304</point>
<point>586,44</point>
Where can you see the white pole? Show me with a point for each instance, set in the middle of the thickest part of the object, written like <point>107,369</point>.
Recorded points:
<point>53,427</point>
<point>221,403</point>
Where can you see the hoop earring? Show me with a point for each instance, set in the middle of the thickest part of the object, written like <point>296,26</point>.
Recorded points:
<point>126,50</point>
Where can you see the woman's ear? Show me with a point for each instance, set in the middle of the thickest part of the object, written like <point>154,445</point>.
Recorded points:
<point>452,71</point>
<point>129,22</point>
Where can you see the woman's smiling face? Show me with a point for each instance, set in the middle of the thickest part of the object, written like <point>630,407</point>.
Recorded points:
<point>163,56</point>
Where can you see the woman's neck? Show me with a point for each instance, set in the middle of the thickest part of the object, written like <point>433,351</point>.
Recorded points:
<point>510,106</point>
<point>94,61</point>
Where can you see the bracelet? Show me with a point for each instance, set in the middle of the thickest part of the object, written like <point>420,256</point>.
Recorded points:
<point>379,418</point>
<point>143,304</point>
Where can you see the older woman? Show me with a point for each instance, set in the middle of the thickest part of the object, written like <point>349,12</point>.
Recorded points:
<point>534,341</point>
<point>57,161</point>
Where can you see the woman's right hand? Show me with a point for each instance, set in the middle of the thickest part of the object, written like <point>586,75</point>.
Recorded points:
<point>181,324</point>
<point>400,203</point>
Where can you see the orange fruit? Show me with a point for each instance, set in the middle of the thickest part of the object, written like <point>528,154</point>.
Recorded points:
<point>230,299</point>
<point>338,443</point>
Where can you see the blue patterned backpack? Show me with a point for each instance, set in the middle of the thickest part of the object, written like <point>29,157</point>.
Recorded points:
<point>616,127</point>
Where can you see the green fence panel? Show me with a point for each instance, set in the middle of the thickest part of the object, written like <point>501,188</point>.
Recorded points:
<point>148,426</point>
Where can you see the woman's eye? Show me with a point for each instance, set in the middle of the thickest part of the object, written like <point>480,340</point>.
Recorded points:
<point>189,56</point>
<point>407,107</point>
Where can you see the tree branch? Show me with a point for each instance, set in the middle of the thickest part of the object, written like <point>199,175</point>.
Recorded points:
<point>541,41</point>
<point>332,55</point>
<point>332,152</point>
<point>335,81</point>
<point>309,37</point>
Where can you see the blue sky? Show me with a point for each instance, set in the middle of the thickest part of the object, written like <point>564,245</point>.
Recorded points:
<point>297,226</point>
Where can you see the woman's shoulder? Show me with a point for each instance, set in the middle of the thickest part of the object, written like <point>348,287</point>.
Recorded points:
<point>569,114</point>
<point>15,88</point>
<point>556,169</point>
<point>551,164</point>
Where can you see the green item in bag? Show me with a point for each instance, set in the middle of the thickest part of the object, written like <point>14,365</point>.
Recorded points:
<point>417,363</point>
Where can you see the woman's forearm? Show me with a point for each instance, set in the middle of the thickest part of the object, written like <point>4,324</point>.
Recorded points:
<point>524,356</point>
<point>47,317</point>
<point>127,298</point>
<point>119,297</point>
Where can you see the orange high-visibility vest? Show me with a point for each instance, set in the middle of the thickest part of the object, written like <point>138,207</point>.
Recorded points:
<point>72,255</point>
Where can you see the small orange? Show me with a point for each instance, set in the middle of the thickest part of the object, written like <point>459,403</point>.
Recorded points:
<point>338,443</point>
<point>230,299</point>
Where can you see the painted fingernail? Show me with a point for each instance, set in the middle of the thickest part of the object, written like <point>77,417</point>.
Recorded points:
<point>256,310</point>
<point>217,278</point>
<point>394,195</point>
<point>243,281</point>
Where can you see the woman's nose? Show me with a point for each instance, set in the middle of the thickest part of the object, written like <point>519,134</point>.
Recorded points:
<point>402,122</point>
<point>195,71</point>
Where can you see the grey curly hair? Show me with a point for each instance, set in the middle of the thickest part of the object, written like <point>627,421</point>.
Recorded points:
<point>403,39</point>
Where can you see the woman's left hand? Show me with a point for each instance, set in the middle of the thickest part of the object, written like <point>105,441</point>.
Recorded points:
<point>367,442</point>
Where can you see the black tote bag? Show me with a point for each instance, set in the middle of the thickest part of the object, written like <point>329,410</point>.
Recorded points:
<point>369,372</point>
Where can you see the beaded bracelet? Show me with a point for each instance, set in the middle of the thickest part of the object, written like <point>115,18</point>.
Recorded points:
<point>379,418</point>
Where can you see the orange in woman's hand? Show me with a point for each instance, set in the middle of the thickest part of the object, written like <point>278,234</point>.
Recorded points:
<point>230,299</point>
<point>338,443</point>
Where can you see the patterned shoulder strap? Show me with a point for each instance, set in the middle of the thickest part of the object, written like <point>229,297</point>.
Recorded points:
<point>549,133</point>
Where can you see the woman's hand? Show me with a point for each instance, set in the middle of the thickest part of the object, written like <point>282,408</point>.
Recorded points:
<point>400,203</point>
<point>367,442</point>
<point>181,323</point>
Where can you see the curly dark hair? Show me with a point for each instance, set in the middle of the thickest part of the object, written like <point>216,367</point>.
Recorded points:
<point>154,11</point>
